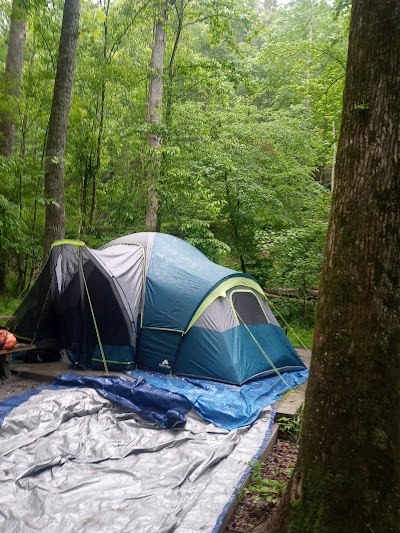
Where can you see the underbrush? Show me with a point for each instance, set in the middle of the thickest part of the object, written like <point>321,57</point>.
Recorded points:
<point>8,305</point>
<point>263,489</point>
<point>268,481</point>
<point>299,336</point>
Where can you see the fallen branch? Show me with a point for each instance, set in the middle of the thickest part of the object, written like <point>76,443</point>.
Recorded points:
<point>292,293</point>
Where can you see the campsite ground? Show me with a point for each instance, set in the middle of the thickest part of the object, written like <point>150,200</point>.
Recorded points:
<point>16,385</point>
<point>263,493</point>
<point>254,506</point>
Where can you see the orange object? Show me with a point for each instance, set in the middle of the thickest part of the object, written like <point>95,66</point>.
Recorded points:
<point>7,340</point>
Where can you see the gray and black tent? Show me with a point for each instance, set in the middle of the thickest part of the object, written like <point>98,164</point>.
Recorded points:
<point>153,301</point>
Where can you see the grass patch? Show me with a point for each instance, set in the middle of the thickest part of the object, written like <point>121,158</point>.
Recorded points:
<point>8,305</point>
<point>298,335</point>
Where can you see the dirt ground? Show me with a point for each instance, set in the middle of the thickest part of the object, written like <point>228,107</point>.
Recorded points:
<point>16,385</point>
<point>252,509</point>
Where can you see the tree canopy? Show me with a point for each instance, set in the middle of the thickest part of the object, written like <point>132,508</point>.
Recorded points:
<point>248,122</point>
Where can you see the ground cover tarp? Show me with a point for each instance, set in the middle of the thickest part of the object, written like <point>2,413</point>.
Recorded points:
<point>155,405</point>
<point>73,461</point>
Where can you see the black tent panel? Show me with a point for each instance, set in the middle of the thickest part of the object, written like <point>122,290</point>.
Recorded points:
<point>75,301</point>
<point>91,319</point>
<point>35,318</point>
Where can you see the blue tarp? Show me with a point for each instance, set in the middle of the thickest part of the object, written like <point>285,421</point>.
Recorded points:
<point>166,399</point>
<point>153,404</point>
<point>227,406</point>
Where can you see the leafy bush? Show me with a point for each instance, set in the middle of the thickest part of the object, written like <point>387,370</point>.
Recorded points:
<point>290,427</point>
<point>263,489</point>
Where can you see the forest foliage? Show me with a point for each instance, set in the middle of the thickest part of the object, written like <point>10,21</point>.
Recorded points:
<point>250,117</point>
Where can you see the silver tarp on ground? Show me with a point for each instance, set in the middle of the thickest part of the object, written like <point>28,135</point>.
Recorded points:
<point>72,462</point>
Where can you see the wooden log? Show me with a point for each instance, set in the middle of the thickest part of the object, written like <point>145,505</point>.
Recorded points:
<point>292,293</point>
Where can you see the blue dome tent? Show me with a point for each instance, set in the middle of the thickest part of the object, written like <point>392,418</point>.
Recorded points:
<point>153,301</point>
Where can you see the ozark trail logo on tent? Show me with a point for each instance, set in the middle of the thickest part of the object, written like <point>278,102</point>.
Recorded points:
<point>165,364</point>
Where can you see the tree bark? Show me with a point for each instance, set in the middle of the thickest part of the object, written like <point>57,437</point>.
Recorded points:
<point>154,116</point>
<point>58,123</point>
<point>347,478</point>
<point>13,77</point>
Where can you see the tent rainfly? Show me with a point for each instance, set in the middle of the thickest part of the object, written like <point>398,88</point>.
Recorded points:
<point>153,301</point>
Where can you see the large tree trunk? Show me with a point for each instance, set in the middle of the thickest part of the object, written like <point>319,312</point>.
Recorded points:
<point>12,87</point>
<point>58,123</point>
<point>154,116</point>
<point>13,76</point>
<point>347,478</point>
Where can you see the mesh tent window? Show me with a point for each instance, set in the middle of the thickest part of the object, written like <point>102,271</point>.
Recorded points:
<point>248,308</point>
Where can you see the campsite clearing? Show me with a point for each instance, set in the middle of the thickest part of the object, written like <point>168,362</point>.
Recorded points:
<point>16,385</point>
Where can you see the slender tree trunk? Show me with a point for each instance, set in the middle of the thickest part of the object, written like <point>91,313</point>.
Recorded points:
<point>97,165</point>
<point>96,169</point>
<point>233,216</point>
<point>154,115</point>
<point>309,60</point>
<point>22,147</point>
<point>3,272</point>
<point>58,123</point>
<point>347,478</point>
<point>30,83</point>
<point>85,193</point>
<point>13,76</point>
<point>180,8</point>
